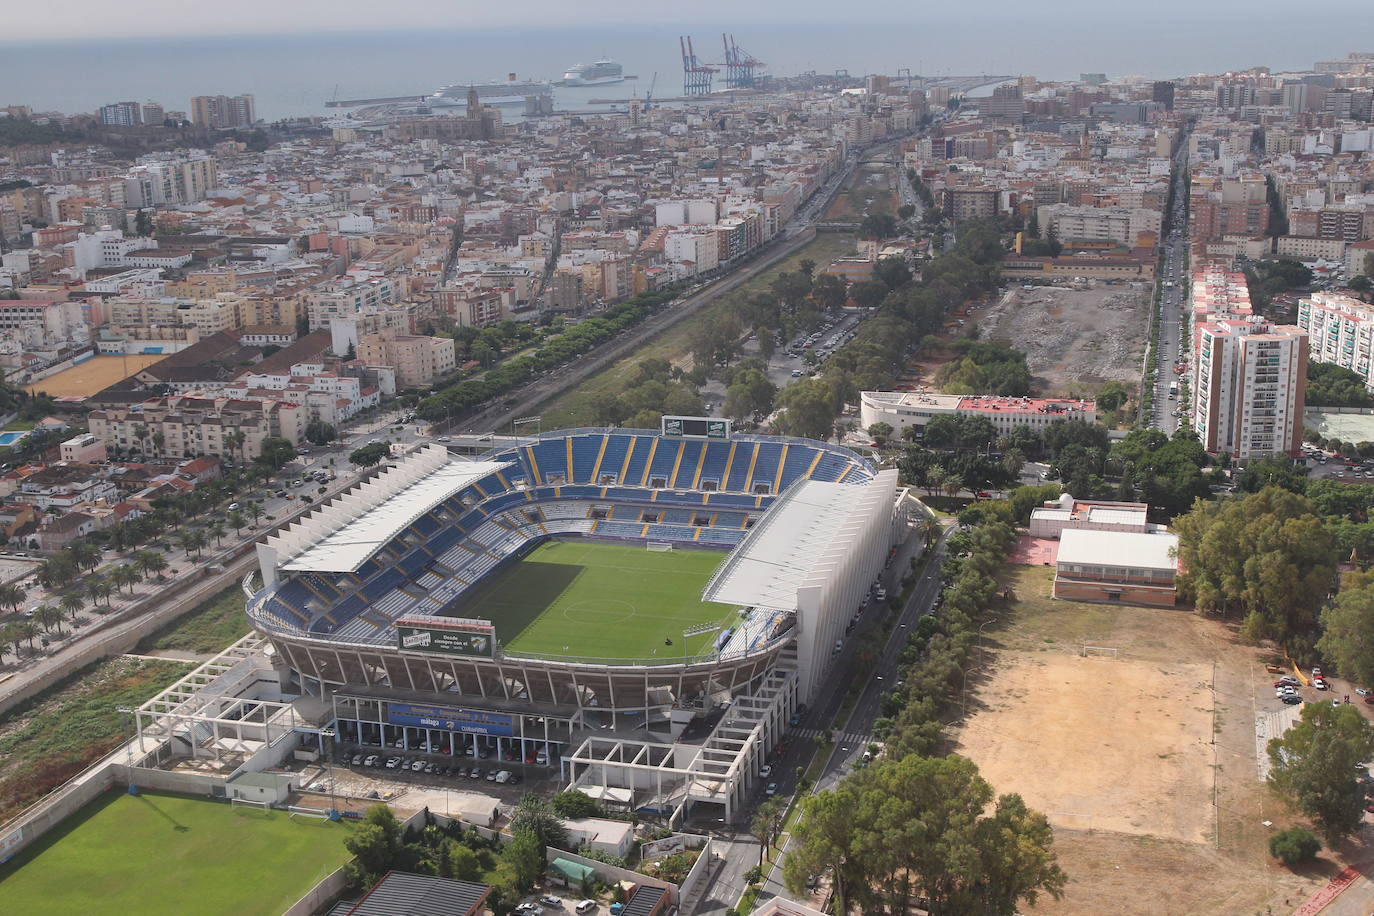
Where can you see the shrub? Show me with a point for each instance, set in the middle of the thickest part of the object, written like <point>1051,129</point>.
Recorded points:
<point>1294,845</point>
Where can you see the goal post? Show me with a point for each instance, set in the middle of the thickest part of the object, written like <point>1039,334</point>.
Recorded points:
<point>236,802</point>
<point>1101,651</point>
<point>658,546</point>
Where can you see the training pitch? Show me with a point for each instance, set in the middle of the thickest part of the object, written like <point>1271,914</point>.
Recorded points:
<point>585,599</point>
<point>169,854</point>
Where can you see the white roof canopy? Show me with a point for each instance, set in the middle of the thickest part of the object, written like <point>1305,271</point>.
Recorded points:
<point>359,530</point>
<point>780,552</point>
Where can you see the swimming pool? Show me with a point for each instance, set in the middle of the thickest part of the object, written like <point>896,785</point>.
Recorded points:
<point>8,439</point>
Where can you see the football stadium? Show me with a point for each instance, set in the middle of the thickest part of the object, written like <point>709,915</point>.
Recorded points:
<point>582,599</point>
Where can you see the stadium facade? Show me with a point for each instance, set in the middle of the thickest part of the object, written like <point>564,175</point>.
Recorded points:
<point>367,601</point>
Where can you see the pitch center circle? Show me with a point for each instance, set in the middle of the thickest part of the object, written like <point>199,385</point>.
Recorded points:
<point>606,612</point>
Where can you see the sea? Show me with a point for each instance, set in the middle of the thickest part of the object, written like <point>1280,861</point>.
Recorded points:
<point>296,74</point>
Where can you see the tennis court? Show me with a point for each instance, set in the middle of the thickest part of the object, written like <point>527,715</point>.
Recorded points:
<point>588,599</point>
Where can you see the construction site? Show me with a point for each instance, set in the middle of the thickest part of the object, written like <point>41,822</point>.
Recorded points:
<point>1075,339</point>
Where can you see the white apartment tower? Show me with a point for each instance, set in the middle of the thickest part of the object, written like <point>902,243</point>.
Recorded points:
<point>1341,331</point>
<point>1249,386</point>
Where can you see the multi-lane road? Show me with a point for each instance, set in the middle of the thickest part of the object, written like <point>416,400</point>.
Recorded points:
<point>1173,301</point>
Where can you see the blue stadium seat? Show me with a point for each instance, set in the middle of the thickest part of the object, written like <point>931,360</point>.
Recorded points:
<point>664,458</point>
<point>766,468</point>
<point>799,458</point>
<point>551,455</point>
<point>614,457</point>
<point>713,467</point>
<point>585,451</point>
<point>638,457</point>
<point>686,476</point>
<point>739,467</point>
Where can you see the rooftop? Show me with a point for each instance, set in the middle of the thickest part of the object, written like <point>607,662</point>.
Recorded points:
<point>1118,548</point>
<point>349,546</point>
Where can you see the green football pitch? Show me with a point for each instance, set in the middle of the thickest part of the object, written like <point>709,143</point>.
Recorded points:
<point>587,599</point>
<point>169,854</point>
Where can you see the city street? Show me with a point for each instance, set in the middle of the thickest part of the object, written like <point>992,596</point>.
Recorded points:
<point>1173,302</point>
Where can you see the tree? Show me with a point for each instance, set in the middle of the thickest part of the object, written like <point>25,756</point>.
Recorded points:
<point>921,823</point>
<point>150,562</point>
<point>374,844</point>
<point>26,630</point>
<point>1112,397</point>
<point>535,813</point>
<point>767,824</point>
<point>525,856</point>
<point>12,595</point>
<point>276,452</point>
<point>1315,761</point>
<point>830,292</point>
<point>1294,846</point>
<point>369,455</point>
<point>235,520</point>
<point>319,432</point>
<point>1267,554</point>
<point>462,864</point>
<point>574,804</point>
<point>72,604</point>
<point>47,616</point>
<point>891,272</point>
<point>809,407</point>
<point>1347,626</point>
<point>880,432</point>
<point>124,575</point>
<point>878,226</point>
<point>868,293</point>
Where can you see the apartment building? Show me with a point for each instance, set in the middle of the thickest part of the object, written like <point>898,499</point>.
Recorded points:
<point>1340,330</point>
<point>121,114</point>
<point>1117,224</point>
<point>417,360</point>
<point>327,396</point>
<point>346,298</point>
<point>1249,382</point>
<point>183,427</point>
<point>221,111</point>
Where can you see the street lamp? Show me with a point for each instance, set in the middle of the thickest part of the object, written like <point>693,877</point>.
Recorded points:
<point>963,702</point>
<point>329,762</point>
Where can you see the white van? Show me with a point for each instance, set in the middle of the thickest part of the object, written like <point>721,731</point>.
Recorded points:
<point>503,776</point>
<point>585,906</point>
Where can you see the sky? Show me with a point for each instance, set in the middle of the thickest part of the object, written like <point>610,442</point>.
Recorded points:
<point>46,20</point>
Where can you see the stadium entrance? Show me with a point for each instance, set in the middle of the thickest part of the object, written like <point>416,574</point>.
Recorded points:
<point>429,726</point>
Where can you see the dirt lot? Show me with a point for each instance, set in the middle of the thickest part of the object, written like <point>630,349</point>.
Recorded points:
<point>94,375</point>
<point>1075,340</point>
<point>1144,743</point>
<point>1146,774</point>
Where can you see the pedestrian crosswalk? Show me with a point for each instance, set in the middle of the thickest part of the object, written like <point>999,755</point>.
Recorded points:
<point>847,738</point>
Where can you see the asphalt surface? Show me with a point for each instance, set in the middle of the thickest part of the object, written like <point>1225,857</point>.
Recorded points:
<point>1172,307</point>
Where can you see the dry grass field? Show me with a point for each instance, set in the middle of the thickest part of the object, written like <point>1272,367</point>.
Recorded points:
<point>1156,746</point>
<point>95,374</point>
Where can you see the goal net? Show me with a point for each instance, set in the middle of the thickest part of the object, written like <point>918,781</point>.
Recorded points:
<point>250,803</point>
<point>1103,651</point>
<point>658,546</point>
<point>295,812</point>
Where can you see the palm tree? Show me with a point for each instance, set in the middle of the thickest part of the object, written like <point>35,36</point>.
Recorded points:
<point>953,484</point>
<point>48,617</point>
<point>216,531</point>
<point>85,555</point>
<point>124,575</point>
<point>11,636</point>
<point>12,595</point>
<point>929,528</point>
<point>26,630</point>
<point>72,604</point>
<point>935,479</point>
<point>155,563</point>
<point>235,520</point>
<point>98,587</point>
<point>255,510</point>
<point>141,434</point>
<point>235,441</point>
<point>193,541</point>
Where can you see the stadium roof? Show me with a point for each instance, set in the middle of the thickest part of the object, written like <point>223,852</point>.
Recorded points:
<point>779,554</point>
<point>348,547</point>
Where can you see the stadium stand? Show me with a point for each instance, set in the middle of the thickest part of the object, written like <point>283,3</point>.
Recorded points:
<point>578,483</point>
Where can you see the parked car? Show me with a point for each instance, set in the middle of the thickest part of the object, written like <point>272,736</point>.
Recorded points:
<point>765,771</point>
<point>1319,682</point>
<point>1287,680</point>
<point>371,760</point>
<point>585,906</point>
<point>1291,699</point>
<point>551,900</point>
<point>357,759</point>
<point>772,789</point>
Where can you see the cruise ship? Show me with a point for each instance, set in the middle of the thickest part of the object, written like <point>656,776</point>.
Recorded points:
<point>509,91</point>
<point>598,73</point>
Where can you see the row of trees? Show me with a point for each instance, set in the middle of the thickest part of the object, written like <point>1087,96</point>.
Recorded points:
<point>556,350</point>
<point>917,822</point>
<point>654,388</point>
<point>985,367</point>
